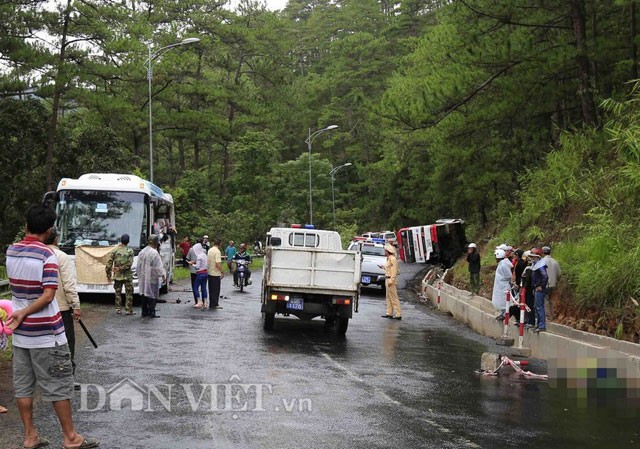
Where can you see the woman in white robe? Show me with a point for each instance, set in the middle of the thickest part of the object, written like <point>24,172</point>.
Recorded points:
<point>501,282</point>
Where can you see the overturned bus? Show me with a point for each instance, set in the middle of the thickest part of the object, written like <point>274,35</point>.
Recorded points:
<point>440,243</point>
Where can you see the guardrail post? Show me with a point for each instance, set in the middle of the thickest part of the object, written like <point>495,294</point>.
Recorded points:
<point>505,333</point>
<point>521,330</point>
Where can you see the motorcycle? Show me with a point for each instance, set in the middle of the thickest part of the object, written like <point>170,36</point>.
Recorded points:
<point>242,270</point>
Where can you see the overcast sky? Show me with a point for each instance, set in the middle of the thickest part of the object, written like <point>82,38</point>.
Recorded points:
<point>276,4</point>
<point>271,4</point>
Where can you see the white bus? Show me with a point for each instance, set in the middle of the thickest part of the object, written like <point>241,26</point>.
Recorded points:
<point>96,209</point>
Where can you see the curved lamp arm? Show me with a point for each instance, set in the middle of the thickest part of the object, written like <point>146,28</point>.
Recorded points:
<point>317,133</point>
<point>338,168</point>
<point>158,52</point>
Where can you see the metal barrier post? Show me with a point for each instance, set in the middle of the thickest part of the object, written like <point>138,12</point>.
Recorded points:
<point>506,315</point>
<point>522,306</point>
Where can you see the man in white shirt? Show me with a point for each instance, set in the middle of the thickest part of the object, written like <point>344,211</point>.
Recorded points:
<point>66,294</point>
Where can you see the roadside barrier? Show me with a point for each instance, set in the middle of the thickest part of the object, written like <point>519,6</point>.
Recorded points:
<point>505,332</point>
<point>561,344</point>
<point>432,277</point>
<point>522,307</point>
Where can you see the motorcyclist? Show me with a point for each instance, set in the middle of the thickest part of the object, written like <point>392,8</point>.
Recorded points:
<point>242,254</point>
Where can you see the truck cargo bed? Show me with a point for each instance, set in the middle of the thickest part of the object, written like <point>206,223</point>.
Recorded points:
<point>312,270</point>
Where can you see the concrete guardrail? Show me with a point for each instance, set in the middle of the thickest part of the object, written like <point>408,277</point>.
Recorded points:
<point>563,347</point>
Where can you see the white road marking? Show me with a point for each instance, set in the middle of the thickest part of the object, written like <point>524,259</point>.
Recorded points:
<point>461,440</point>
<point>357,378</point>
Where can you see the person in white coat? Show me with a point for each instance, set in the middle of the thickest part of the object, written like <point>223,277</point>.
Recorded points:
<point>150,268</point>
<point>501,283</point>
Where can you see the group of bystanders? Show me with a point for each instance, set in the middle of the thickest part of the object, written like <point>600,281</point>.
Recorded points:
<point>534,271</point>
<point>205,265</point>
<point>46,303</point>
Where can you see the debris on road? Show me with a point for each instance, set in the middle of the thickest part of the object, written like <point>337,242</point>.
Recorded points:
<point>506,361</point>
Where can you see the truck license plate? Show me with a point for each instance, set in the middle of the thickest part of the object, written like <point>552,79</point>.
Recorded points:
<point>366,279</point>
<point>99,286</point>
<point>295,304</point>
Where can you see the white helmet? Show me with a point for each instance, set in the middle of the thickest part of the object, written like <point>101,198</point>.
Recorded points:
<point>500,254</point>
<point>472,245</point>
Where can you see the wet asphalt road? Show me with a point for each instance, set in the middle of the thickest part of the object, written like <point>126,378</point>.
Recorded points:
<point>214,379</point>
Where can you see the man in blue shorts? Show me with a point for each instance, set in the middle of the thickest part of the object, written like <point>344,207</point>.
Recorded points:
<point>40,349</point>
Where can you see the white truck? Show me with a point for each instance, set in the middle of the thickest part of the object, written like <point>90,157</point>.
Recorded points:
<point>307,274</point>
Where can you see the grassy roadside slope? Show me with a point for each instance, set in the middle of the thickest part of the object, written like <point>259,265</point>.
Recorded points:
<point>582,202</point>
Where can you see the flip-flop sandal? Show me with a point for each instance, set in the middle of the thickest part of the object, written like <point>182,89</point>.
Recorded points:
<point>131,313</point>
<point>42,442</point>
<point>87,443</point>
<point>119,312</point>
<point>3,409</point>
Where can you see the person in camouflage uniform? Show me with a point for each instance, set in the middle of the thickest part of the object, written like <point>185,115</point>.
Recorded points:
<point>119,268</point>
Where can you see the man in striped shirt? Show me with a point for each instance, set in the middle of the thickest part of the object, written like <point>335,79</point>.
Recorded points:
<point>40,349</point>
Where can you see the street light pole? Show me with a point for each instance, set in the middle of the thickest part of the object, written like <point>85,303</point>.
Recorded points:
<point>149,77</point>
<point>332,173</point>
<point>152,56</point>
<point>308,142</point>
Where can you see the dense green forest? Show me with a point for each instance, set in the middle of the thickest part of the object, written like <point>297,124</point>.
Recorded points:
<point>519,116</point>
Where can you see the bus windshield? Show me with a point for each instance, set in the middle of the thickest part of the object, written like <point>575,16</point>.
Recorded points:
<point>99,218</point>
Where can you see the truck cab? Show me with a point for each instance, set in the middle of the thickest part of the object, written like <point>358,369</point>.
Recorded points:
<point>299,237</point>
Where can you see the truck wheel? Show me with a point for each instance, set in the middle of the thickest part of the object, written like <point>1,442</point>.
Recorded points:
<point>329,322</point>
<point>343,324</point>
<point>269,319</point>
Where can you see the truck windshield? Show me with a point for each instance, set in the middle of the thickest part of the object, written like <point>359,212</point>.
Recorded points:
<point>99,218</point>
